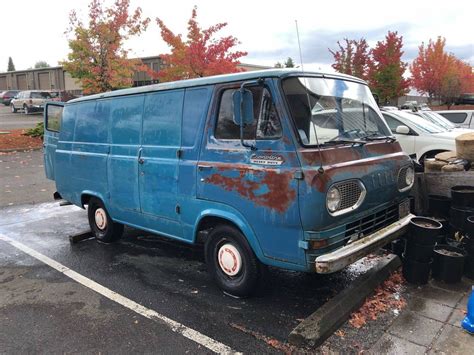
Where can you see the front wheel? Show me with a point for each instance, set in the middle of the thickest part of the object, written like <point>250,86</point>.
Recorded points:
<point>26,109</point>
<point>231,261</point>
<point>102,226</point>
<point>13,109</point>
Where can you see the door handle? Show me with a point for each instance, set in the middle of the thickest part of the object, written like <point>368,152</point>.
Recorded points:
<point>204,167</point>
<point>140,159</point>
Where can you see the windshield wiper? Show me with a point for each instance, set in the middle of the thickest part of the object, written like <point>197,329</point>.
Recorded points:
<point>344,141</point>
<point>375,137</point>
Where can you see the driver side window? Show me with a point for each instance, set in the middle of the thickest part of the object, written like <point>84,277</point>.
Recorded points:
<point>265,126</point>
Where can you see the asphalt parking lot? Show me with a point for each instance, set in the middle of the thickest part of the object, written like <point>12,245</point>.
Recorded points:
<point>9,120</point>
<point>46,310</point>
<point>43,310</point>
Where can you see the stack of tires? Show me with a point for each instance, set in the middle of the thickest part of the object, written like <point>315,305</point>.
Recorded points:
<point>418,256</point>
<point>461,216</point>
<point>469,265</point>
<point>462,207</point>
<point>439,209</point>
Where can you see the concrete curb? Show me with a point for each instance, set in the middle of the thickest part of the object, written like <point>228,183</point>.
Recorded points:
<point>19,150</point>
<point>315,329</point>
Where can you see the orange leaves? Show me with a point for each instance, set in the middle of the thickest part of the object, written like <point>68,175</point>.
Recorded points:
<point>200,54</point>
<point>387,68</point>
<point>381,66</point>
<point>440,74</point>
<point>97,57</point>
<point>386,297</point>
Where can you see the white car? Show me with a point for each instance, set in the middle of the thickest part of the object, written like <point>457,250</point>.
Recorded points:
<point>464,118</point>
<point>439,120</point>
<point>419,137</point>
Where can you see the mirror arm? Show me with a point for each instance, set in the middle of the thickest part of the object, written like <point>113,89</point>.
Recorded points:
<point>259,81</point>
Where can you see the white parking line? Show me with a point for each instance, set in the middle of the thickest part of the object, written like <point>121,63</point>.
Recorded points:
<point>177,327</point>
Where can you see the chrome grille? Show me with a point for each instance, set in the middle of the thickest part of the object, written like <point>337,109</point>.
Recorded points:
<point>351,193</point>
<point>373,222</point>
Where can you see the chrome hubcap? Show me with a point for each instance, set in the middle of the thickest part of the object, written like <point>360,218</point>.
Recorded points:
<point>100,218</point>
<point>230,260</point>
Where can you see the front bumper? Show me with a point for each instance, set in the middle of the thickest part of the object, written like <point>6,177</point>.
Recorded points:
<point>340,258</point>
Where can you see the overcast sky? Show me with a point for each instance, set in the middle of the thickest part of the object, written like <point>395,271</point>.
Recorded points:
<point>266,29</point>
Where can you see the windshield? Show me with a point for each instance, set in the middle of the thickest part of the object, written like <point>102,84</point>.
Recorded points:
<point>420,123</point>
<point>332,110</point>
<point>436,118</point>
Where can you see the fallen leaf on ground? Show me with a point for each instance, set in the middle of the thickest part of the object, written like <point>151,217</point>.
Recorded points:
<point>385,297</point>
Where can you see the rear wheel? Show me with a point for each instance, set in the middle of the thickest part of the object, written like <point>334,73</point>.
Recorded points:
<point>231,261</point>
<point>102,226</point>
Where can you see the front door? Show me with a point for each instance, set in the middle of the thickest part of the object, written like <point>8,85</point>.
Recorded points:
<point>158,160</point>
<point>52,122</point>
<point>257,183</point>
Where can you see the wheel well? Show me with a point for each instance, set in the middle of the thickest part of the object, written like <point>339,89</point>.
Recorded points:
<point>85,199</point>
<point>207,223</point>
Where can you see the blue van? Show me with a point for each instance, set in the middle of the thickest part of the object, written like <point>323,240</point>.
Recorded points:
<point>284,168</point>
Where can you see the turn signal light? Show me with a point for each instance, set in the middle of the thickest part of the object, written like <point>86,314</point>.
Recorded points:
<point>318,244</point>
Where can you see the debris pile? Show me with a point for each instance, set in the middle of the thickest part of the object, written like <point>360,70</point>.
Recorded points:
<point>386,297</point>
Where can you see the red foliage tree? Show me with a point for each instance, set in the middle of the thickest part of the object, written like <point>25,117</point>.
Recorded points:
<point>200,55</point>
<point>439,74</point>
<point>352,58</point>
<point>429,67</point>
<point>387,68</point>
<point>97,57</point>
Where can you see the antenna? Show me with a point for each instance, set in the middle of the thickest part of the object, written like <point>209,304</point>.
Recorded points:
<point>320,169</point>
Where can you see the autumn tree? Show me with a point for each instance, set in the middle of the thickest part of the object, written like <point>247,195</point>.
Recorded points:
<point>386,69</point>
<point>11,66</point>
<point>439,74</point>
<point>352,58</point>
<point>97,57</point>
<point>201,54</point>
<point>41,64</point>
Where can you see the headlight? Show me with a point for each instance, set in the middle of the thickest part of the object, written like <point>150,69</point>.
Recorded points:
<point>410,176</point>
<point>333,199</point>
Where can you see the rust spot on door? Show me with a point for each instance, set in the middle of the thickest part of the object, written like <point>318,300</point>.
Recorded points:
<point>268,188</point>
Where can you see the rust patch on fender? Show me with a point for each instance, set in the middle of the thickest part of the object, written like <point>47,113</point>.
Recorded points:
<point>364,166</point>
<point>330,156</point>
<point>278,197</point>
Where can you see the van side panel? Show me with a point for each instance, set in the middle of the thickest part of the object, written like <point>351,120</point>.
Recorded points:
<point>158,171</point>
<point>91,148</point>
<point>196,106</point>
<point>63,155</point>
<point>125,139</point>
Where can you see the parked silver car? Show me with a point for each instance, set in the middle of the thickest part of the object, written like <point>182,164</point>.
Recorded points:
<point>30,101</point>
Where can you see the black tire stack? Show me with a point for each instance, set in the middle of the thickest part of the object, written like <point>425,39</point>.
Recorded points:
<point>469,247</point>
<point>418,256</point>
<point>462,221</point>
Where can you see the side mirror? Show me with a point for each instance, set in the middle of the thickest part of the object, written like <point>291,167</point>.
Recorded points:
<point>376,98</point>
<point>243,107</point>
<point>403,130</point>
